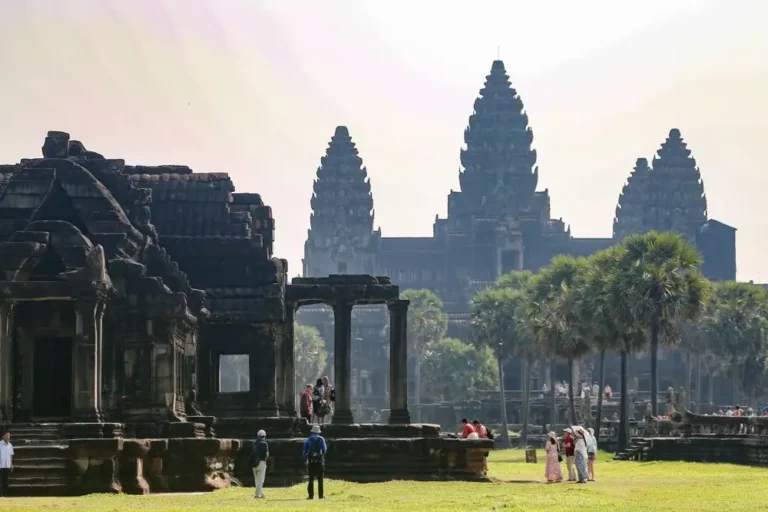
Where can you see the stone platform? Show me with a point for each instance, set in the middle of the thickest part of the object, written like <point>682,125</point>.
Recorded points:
<point>373,453</point>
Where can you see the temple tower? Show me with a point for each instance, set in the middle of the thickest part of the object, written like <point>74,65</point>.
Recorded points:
<point>341,239</point>
<point>632,209</point>
<point>669,197</point>
<point>677,198</point>
<point>499,162</point>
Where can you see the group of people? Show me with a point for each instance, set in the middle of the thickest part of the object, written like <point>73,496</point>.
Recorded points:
<point>316,403</point>
<point>561,389</point>
<point>580,448</point>
<point>313,453</point>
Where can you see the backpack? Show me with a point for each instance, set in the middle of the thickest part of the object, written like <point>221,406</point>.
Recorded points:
<point>316,395</point>
<point>333,394</point>
<point>315,457</point>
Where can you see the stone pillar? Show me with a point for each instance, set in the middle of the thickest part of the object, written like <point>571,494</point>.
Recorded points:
<point>288,363</point>
<point>342,362</point>
<point>398,363</point>
<point>6,369</point>
<point>86,360</point>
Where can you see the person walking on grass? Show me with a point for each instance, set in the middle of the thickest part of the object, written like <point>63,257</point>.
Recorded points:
<point>568,445</point>
<point>591,453</point>
<point>314,456</point>
<point>552,471</point>
<point>258,461</point>
<point>6,463</point>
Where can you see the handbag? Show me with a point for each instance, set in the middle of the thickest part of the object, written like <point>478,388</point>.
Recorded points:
<point>559,458</point>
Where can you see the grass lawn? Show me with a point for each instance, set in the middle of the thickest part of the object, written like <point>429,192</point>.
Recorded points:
<point>653,486</point>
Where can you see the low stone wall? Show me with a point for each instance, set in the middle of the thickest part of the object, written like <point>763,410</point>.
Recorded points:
<point>373,459</point>
<point>748,450</point>
<point>141,466</point>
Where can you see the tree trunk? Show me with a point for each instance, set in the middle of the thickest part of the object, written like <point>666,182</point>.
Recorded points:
<point>526,367</point>
<point>698,383</point>
<point>711,390</point>
<point>654,365</point>
<point>688,380</point>
<point>735,385</point>
<point>552,374</point>
<point>503,406</point>
<point>571,399</point>
<point>600,394</point>
<point>623,419</point>
<point>417,394</point>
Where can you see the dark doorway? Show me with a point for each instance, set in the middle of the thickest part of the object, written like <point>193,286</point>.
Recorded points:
<point>52,393</point>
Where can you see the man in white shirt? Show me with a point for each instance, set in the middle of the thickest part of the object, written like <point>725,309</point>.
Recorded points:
<point>6,463</point>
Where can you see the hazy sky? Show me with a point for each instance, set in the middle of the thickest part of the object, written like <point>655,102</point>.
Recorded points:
<point>256,88</point>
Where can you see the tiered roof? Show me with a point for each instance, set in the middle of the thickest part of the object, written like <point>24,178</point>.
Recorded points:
<point>499,162</point>
<point>668,197</point>
<point>342,203</point>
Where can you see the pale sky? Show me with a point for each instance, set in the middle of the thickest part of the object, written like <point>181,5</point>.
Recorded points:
<point>255,89</point>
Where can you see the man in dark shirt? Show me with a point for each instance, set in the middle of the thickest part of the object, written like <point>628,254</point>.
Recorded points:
<point>314,454</point>
<point>258,461</point>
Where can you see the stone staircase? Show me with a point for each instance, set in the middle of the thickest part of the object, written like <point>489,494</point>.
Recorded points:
<point>637,450</point>
<point>40,460</point>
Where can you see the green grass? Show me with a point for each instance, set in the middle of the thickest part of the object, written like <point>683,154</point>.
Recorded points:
<point>621,486</point>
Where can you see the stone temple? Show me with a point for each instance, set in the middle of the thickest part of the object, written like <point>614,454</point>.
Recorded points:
<point>497,222</point>
<point>124,289</point>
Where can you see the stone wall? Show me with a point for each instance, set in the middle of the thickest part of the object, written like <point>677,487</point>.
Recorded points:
<point>143,466</point>
<point>734,450</point>
<point>375,459</point>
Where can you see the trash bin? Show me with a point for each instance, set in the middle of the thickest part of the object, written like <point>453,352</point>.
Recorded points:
<point>530,455</point>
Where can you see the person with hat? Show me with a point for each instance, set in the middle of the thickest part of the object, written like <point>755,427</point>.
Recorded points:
<point>568,445</point>
<point>258,461</point>
<point>580,449</point>
<point>552,470</point>
<point>314,455</point>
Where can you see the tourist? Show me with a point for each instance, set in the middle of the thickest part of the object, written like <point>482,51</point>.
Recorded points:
<point>580,453</point>
<point>591,453</point>
<point>552,471</point>
<point>545,389</point>
<point>314,456</point>
<point>608,392</point>
<point>317,399</point>
<point>482,433</point>
<point>6,463</point>
<point>329,396</point>
<point>568,444</point>
<point>305,403</point>
<point>615,416</point>
<point>467,430</point>
<point>258,462</point>
<point>595,390</point>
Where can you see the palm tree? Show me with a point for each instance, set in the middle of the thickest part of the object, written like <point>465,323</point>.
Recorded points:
<point>427,323</point>
<point>553,313</point>
<point>519,280</point>
<point>738,318</point>
<point>665,287</point>
<point>594,308</point>
<point>496,317</point>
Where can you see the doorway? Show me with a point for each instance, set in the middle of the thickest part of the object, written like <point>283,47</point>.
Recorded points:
<point>52,389</point>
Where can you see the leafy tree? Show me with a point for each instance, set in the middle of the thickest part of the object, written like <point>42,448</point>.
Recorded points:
<point>427,323</point>
<point>738,318</point>
<point>310,356</point>
<point>554,314</point>
<point>496,315</point>
<point>661,276</point>
<point>454,370</point>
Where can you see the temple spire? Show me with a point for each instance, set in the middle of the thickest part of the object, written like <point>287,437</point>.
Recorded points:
<point>341,222</point>
<point>498,160</point>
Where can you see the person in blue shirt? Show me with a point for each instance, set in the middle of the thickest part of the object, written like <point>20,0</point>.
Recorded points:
<point>258,461</point>
<point>314,455</point>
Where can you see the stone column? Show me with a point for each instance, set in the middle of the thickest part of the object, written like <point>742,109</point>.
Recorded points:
<point>288,363</point>
<point>6,369</point>
<point>398,363</point>
<point>86,360</point>
<point>342,362</point>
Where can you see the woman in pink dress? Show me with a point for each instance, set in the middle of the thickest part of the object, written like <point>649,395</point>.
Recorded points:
<point>552,471</point>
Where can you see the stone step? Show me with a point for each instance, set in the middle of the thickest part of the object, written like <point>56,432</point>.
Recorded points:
<point>21,472</point>
<point>46,452</point>
<point>19,489</point>
<point>26,480</point>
